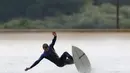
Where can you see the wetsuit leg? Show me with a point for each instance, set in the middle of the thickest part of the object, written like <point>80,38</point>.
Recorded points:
<point>64,59</point>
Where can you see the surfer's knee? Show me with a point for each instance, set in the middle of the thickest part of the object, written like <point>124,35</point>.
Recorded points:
<point>65,52</point>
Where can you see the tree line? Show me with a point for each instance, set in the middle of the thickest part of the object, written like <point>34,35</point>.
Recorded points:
<point>83,14</point>
<point>37,9</point>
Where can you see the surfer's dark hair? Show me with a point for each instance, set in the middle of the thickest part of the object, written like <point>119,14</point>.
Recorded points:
<point>45,45</point>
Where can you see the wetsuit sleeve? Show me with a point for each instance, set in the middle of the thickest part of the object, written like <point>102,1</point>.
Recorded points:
<point>37,61</point>
<point>53,41</point>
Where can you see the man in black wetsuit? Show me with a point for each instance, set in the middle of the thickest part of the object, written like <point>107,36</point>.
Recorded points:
<point>50,54</point>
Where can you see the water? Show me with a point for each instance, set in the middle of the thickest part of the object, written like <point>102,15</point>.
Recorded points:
<point>107,52</point>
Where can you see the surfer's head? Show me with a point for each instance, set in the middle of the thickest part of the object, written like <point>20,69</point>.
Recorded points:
<point>45,46</point>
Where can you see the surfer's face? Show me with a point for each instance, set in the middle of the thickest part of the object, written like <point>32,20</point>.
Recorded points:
<point>45,47</point>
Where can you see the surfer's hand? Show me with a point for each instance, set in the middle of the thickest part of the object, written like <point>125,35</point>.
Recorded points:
<point>27,69</point>
<point>54,33</point>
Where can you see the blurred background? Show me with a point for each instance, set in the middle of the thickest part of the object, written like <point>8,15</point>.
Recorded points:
<point>65,14</point>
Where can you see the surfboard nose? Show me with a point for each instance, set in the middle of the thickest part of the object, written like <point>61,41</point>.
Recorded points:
<point>73,47</point>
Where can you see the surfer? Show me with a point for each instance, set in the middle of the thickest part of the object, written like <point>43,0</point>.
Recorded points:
<point>50,54</point>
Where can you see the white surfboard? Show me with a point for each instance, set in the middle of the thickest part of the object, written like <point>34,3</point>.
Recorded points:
<point>81,61</point>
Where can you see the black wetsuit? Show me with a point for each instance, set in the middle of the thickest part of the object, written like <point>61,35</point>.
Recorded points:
<point>53,57</point>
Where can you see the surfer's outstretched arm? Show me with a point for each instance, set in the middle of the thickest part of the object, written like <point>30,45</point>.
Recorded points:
<point>35,63</point>
<point>54,39</point>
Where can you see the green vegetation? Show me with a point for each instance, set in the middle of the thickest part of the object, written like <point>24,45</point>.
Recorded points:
<point>75,14</point>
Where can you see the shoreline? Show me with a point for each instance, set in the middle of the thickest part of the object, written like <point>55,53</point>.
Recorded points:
<point>64,30</point>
